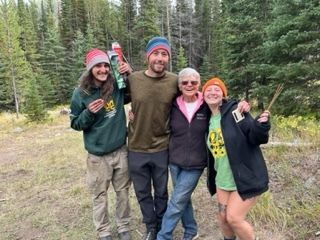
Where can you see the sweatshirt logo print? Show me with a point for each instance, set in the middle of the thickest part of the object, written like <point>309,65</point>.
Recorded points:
<point>216,143</point>
<point>110,109</point>
<point>109,106</point>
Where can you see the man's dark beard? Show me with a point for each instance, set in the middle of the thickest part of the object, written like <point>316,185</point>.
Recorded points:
<point>156,71</point>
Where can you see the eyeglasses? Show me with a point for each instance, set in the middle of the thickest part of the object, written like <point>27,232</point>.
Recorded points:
<point>184,83</point>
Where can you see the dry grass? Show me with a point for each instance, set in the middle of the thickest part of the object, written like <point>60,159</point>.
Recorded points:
<point>43,193</point>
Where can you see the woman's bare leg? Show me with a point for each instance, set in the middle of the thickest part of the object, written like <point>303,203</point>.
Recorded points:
<point>223,198</point>
<point>236,214</point>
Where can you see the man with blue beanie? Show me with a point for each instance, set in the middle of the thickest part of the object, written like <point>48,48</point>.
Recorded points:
<point>152,92</point>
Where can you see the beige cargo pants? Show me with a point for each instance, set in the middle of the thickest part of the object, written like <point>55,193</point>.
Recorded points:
<point>101,171</point>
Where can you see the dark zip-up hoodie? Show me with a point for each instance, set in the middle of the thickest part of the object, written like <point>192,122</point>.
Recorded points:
<point>242,142</point>
<point>187,146</point>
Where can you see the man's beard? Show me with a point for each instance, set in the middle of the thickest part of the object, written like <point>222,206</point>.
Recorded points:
<point>156,70</point>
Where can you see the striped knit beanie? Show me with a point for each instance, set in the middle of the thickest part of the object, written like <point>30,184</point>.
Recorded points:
<point>157,43</point>
<point>95,56</point>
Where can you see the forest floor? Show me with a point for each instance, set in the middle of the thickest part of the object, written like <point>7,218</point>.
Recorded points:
<point>43,193</point>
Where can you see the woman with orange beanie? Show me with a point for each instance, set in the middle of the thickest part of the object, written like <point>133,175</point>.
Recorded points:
<point>237,172</point>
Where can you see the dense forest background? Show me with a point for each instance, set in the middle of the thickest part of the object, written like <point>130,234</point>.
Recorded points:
<point>253,45</point>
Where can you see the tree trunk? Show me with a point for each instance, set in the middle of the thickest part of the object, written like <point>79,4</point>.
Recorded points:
<point>168,29</point>
<point>15,91</point>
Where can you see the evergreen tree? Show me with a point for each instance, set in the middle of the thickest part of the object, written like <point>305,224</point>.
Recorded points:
<point>145,28</point>
<point>244,35</point>
<point>215,49</point>
<point>6,100</point>
<point>65,23</point>
<point>202,31</point>
<point>205,70</point>
<point>79,49</point>
<point>56,67</point>
<point>33,106</point>
<point>33,10</point>
<point>292,53</point>
<point>125,25</point>
<point>181,30</point>
<point>55,62</point>
<point>17,68</point>
<point>91,41</point>
<point>28,36</point>
<point>181,59</point>
<point>102,22</point>
<point>46,91</point>
<point>79,16</point>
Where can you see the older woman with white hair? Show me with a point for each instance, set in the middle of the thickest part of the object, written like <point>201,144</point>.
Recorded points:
<point>189,122</point>
<point>187,154</point>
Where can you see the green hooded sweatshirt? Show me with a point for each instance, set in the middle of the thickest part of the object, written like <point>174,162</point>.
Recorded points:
<point>104,131</point>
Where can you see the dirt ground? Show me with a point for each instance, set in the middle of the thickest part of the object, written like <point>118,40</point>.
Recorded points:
<point>18,143</point>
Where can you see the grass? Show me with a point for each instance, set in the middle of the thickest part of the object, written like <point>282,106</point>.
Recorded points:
<point>43,194</point>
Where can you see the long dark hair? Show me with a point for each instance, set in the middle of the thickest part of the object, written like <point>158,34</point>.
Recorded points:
<point>87,84</point>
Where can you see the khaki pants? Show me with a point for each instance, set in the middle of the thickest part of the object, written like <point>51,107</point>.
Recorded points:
<point>101,170</point>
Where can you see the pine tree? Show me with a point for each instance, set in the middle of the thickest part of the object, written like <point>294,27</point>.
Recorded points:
<point>215,49</point>
<point>102,21</point>
<point>6,100</point>
<point>65,23</point>
<point>79,16</point>
<point>181,59</point>
<point>91,41</point>
<point>145,28</point>
<point>205,70</point>
<point>56,67</point>
<point>54,60</point>
<point>33,106</point>
<point>125,36</point>
<point>292,53</point>
<point>46,91</point>
<point>79,49</point>
<point>28,36</point>
<point>202,31</point>
<point>182,31</point>
<point>17,68</point>
<point>244,23</point>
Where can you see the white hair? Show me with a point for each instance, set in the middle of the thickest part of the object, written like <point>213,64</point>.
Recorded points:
<point>187,72</point>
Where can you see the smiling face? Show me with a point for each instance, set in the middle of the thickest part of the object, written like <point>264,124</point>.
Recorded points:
<point>100,72</point>
<point>189,86</point>
<point>157,62</point>
<point>213,95</point>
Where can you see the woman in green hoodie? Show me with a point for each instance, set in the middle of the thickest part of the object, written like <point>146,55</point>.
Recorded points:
<point>97,109</point>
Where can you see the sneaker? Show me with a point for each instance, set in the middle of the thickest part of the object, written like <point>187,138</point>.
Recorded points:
<point>190,237</point>
<point>150,235</point>
<point>106,238</point>
<point>124,235</point>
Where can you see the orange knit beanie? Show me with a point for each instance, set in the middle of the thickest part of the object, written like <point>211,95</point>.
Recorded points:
<point>218,82</point>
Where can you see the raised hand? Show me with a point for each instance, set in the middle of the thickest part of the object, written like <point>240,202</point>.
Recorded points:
<point>96,105</point>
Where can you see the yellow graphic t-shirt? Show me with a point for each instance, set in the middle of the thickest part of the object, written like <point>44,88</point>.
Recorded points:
<point>224,177</point>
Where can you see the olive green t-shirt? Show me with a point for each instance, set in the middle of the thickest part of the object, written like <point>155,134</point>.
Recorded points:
<point>224,178</point>
<point>151,100</point>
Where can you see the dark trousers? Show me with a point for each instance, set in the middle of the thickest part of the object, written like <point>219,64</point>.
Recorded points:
<point>149,170</point>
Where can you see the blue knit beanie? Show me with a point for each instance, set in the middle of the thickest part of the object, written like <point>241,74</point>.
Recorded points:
<point>157,43</point>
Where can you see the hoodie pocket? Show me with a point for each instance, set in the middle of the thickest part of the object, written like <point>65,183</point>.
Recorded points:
<point>246,176</point>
